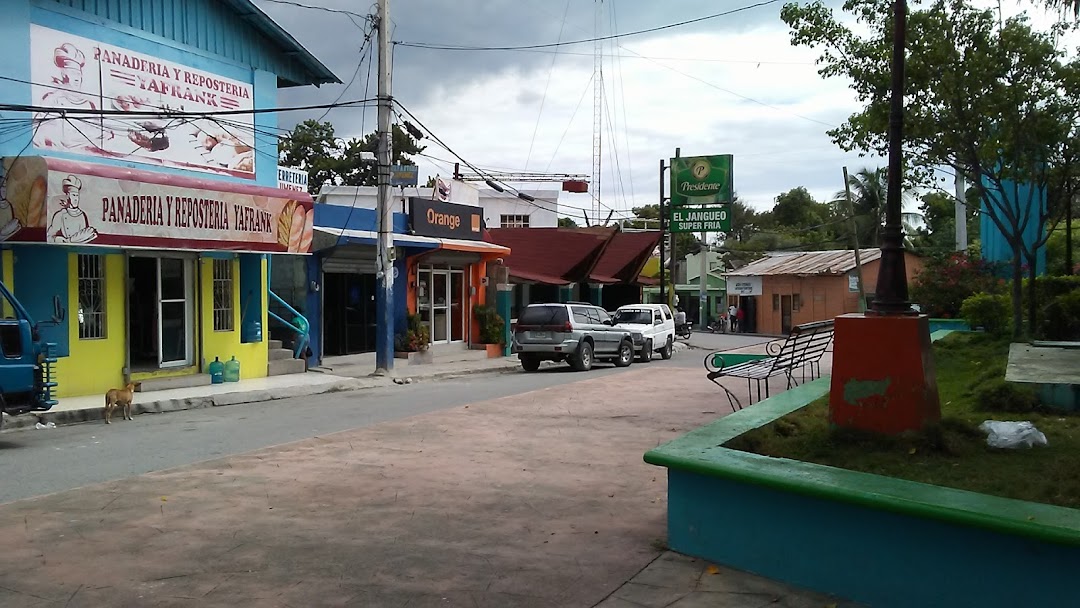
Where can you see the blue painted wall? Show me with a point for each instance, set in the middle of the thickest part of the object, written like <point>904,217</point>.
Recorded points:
<point>994,246</point>
<point>41,276</point>
<point>222,49</point>
<point>211,27</point>
<point>882,559</point>
<point>354,218</point>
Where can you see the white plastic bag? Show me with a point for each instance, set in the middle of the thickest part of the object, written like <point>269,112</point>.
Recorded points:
<point>1012,434</point>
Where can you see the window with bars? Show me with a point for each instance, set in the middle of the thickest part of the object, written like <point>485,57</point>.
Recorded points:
<point>223,295</point>
<point>91,297</point>
<point>514,221</point>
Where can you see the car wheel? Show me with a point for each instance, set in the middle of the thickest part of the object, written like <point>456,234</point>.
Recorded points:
<point>668,348</point>
<point>646,352</point>
<point>583,360</point>
<point>530,363</point>
<point>626,354</point>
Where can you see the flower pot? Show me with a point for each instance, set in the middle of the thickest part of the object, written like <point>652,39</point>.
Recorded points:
<point>494,351</point>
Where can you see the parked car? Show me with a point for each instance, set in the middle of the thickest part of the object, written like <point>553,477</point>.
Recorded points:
<point>577,333</point>
<point>656,325</point>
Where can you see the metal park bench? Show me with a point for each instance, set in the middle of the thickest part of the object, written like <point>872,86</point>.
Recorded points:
<point>800,351</point>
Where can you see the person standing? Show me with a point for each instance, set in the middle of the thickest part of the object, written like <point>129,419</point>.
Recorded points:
<point>733,318</point>
<point>739,320</point>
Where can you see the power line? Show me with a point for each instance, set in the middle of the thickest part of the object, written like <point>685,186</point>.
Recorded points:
<point>175,113</point>
<point>318,8</point>
<point>364,46</point>
<point>547,85</point>
<point>449,47</point>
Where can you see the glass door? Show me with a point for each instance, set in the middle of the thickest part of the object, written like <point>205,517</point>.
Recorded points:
<point>440,306</point>
<point>174,312</point>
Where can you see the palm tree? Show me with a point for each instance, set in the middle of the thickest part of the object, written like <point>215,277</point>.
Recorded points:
<point>869,190</point>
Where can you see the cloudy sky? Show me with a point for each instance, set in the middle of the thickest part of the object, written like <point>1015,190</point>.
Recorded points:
<point>730,85</point>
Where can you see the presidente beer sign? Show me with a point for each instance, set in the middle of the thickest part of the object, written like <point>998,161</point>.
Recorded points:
<point>699,180</point>
<point>79,77</point>
<point>64,202</point>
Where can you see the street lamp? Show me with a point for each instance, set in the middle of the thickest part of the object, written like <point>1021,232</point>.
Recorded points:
<point>891,293</point>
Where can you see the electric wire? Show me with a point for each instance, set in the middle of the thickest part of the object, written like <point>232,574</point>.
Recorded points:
<point>450,47</point>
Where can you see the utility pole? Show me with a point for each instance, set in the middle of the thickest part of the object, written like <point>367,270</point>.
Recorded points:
<point>703,293</point>
<point>674,261</point>
<point>855,236</point>
<point>663,237</point>
<point>961,212</point>
<point>384,338</point>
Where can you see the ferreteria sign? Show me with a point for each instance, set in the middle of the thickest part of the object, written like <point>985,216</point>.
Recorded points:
<point>703,219</point>
<point>701,180</point>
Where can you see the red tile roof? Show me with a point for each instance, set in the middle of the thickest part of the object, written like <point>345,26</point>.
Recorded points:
<point>558,256</point>
<point>624,257</point>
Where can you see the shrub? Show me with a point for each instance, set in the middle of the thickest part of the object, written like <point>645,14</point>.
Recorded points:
<point>415,338</point>
<point>990,312</point>
<point>946,281</point>
<point>1061,317</point>
<point>491,324</point>
<point>998,395</point>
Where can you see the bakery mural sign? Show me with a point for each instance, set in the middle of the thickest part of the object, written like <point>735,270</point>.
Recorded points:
<point>81,77</point>
<point>64,202</point>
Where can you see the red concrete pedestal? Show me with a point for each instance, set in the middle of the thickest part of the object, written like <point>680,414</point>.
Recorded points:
<point>883,374</point>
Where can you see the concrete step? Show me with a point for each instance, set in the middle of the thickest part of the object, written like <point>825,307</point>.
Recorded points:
<point>282,367</point>
<point>163,384</point>
<point>274,344</point>
<point>276,354</point>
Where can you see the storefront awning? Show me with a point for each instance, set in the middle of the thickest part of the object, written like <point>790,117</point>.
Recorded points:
<point>370,237</point>
<point>63,202</point>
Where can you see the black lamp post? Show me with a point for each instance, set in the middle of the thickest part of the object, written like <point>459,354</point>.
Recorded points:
<point>891,294</point>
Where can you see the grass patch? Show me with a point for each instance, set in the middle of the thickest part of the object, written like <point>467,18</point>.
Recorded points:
<point>953,453</point>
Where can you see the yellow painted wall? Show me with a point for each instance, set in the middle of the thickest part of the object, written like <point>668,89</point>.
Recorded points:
<point>94,366</point>
<point>253,357</point>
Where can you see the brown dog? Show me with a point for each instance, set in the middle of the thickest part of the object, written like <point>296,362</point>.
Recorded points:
<point>119,398</point>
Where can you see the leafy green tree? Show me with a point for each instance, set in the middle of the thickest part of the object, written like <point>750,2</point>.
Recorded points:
<point>869,188</point>
<point>328,159</point>
<point>565,222</point>
<point>685,242</point>
<point>996,101</point>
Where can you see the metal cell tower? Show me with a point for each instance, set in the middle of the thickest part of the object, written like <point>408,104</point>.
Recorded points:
<point>598,105</point>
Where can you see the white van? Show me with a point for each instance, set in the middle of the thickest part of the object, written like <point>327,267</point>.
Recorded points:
<point>656,324</point>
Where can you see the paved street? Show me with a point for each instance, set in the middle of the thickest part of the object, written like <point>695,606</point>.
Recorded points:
<point>497,490</point>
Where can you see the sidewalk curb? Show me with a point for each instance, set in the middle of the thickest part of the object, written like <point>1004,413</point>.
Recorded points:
<point>68,417</point>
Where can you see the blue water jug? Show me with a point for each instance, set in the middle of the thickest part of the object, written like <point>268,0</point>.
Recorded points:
<point>232,370</point>
<point>217,371</point>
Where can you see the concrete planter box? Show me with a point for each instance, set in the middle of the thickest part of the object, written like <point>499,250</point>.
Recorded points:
<point>953,324</point>
<point>416,358</point>
<point>878,540</point>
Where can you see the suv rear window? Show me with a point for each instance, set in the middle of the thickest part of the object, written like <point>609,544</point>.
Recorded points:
<point>543,315</point>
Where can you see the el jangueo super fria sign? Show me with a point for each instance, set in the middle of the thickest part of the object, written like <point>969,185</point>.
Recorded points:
<point>64,202</point>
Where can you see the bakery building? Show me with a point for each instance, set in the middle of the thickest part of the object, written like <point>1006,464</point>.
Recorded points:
<point>139,206</point>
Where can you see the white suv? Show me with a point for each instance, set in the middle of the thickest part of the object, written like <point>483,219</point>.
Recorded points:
<point>656,325</point>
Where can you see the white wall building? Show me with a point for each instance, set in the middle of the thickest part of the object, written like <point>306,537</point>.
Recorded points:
<point>501,209</point>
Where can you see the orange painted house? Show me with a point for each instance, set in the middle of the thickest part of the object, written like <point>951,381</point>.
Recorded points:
<point>785,289</point>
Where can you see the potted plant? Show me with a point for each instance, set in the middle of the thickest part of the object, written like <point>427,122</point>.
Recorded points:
<point>413,342</point>
<point>491,327</point>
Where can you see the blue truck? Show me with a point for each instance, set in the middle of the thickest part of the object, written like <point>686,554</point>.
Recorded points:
<point>27,383</point>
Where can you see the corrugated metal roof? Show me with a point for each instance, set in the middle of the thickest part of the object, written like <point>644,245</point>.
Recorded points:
<point>836,261</point>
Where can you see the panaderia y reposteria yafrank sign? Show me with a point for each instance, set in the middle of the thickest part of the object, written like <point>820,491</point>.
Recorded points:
<point>66,202</point>
<point>82,77</point>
